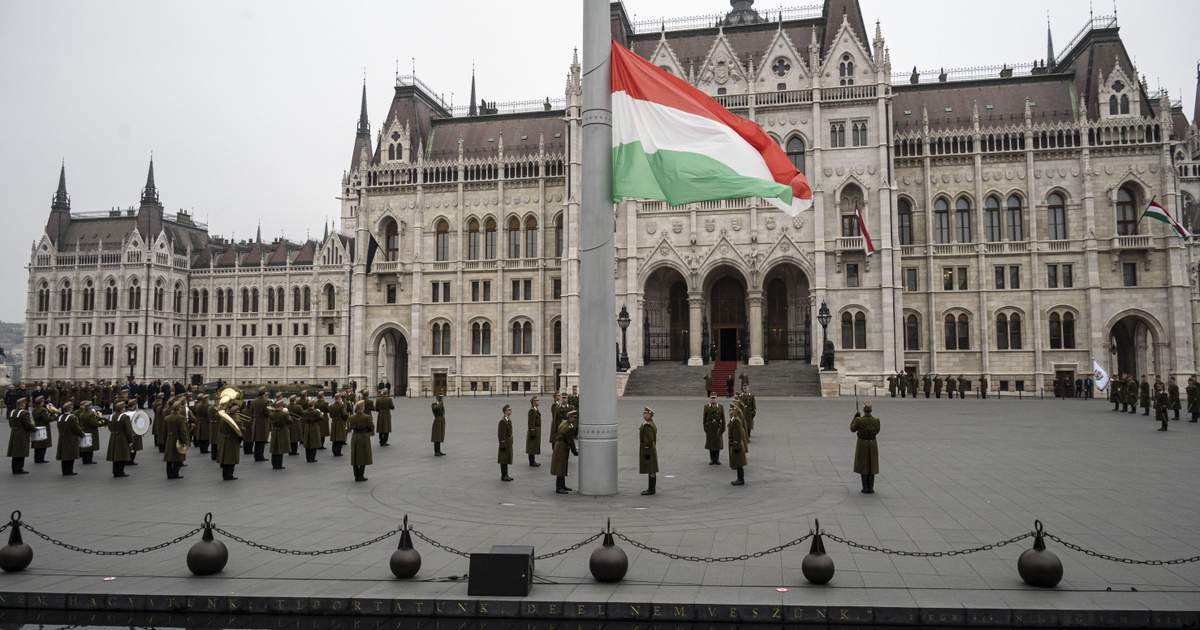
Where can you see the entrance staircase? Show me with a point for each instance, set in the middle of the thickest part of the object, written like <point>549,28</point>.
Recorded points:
<point>721,371</point>
<point>671,378</point>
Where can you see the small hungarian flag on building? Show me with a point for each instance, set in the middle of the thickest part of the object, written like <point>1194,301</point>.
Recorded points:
<point>862,227</point>
<point>1158,213</point>
<point>675,143</point>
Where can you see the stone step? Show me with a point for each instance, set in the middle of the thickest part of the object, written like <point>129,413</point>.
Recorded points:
<point>779,378</point>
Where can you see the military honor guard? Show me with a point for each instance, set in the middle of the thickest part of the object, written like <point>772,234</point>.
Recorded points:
<point>983,387</point>
<point>230,439</point>
<point>739,445</point>
<point>926,385</point>
<point>177,439</point>
<point>91,423</point>
<point>951,386</point>
<point>891,381</point>
<point>310,427</point>
<point>1162,402</point>
<point>437,433</point>
<point>338,424</point>
<point>963,386</point>
<point>749,405</point>
<point>504,433</point>
<point>573,399</point>
<point>260,426</point>
<point>533,432</point>
<point>866,451</point>
<point>564,447</point>
<point>713,422</point>
<point>1173,397</point>
<point>1113,396</point>
<point>937,386</point>
<point>322,406</point>
<point>1131,394</point>
<point>708,384</point>
<point>1144,395</point>
<point>199,416</point>
<point>120,440</point>
<point>21,426</point>
<point>912,385</point>
<point>744,379</point>
<point>648,449</point>
<point>383,419</point>
<point>69,434</point>
<point>1193,398</point>
<point>281,439</point>
<point>42,440</point>
<point>360,444</point>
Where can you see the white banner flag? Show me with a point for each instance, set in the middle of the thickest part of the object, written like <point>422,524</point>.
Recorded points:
<point>1101,377</point>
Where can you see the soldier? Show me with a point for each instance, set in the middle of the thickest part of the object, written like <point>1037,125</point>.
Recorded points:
<point>20,422</point>
<point>295,426</point>
<point>926,385</point>
<point>963,386</point>
<point>1131,394</point>
<point>158,421</point>
<point>176,433</point>
<point>533,435</point>
<point>1144,395</point>
<point>360,443</point>
<point>744,379</point>
<point>368,404</point>
<point>902,383</point>
<point>1173,397</point>
<point>1193,397</point>
<point>738,445</point>
<point>951,385</point>
<point>203,433</point>
<point>504,433</point>
<point>310,420</point>
<point>322,406</point>
<point>383,421</point>
<point>750,409</point>
<point>260,426</point>
<point>983,386</point>
<point>338,424</point>
<point>42,419</point>
<point>648,449</point>
<point>708,383</point>
<point>214,425</point>
<point>1114,397</point>
<point>281,439</point>
<point>866,451</point>
<point>69,433</point>
<point>891,381</point>
<point>90,422</point>
<point>912,386</point>
<point>713,422</point>
<point>437,433</point>
<point>729,385</point>
<point>230,440</point>
<point>564,447</point>
<point>1162,401</point>
<point>937,386</point>
<point>119,443</point>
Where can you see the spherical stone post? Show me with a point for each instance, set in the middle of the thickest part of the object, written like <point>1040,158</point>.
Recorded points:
<point>609,562</point>
<point>1039,566</point>
<point>817,565</point>
<point>405,561</point>
<point>209,555</point>
<point>16,555</point>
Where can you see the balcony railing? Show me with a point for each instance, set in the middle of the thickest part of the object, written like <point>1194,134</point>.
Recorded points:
<point>849,243</point>
<point>957,249</point>
<point>387,266</point>
<point>1131,242</point>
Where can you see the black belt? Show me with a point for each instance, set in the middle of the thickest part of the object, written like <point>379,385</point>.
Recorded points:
<point>867,439</point>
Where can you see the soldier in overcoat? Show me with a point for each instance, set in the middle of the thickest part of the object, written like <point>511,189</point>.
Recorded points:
<point>360,444</point>
<point>338,424</point>
<point>90,422</point>
<point>866,451</point>
<point>1193,397</point>
<point>1144,395</point>
<point>229,442</point>
<point>120,439</point>
<point>175,432</point>
<point>739,445</point>
<point>1162,402</point>
<point>20,423</point>
<point>564,447</point>
<point>712,420</point>
<point>310,421</point>
<point>69,432</point>
<point>437,433</point>
<point>383,419</point>
<point>281,439</point>
<point>533,432</point>
<point>1173,397</point>
<point>504,434</point>
<point>41,419</point>
<point>648,449</point>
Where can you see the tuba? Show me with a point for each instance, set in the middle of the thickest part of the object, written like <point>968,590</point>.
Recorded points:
<point>225,399</point>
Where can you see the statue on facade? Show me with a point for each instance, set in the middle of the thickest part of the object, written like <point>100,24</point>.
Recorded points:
<point>827,356</point>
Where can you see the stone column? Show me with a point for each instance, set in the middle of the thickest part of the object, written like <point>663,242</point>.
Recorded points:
<point>756,327</point>
<point>695,315</point>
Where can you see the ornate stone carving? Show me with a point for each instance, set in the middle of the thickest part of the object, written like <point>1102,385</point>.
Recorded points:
<point>798,221</point>
<point>770,223</point>
<point>676,225</point>
<point>710,225</point>
<point>737,224</point>
<point>651,226</point>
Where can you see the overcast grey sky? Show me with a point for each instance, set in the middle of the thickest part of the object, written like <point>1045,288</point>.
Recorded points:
<point>249,107</point>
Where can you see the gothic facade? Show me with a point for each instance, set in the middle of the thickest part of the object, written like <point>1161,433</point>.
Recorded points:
<point>1003,204</point>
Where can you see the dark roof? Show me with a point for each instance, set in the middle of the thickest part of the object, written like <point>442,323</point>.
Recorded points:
<point>481,135</point>
<point>1051,95</point>
<point>305,255</point>
<point>1180,122</point>
<point>1094,57</point>
<point>413,107</point>
<point>832,18</point>
<point>691,47</point>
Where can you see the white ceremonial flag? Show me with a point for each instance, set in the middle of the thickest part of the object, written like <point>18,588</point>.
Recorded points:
<point>1101,377</point>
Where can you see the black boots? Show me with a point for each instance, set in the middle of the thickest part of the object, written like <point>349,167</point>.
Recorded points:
<point>132,459</point>
<point>119,469</point>
<point>68,468</point>
<point>1195,417</point>
<point>18,466</point>
<point>360,473</point>
<point>714,458</point>
<point>214,453</point>
<point>533,462</point>
<point>868,484</point>
<point>310,455</point>
<point>383,439</point>
<point>560,485</point>
<point>437,450</point>
<point>337,448</point>
<point>39,456</point>
<point>650,490</point>
<point>277,462</point>
<point>173,470</point>
<point>203,444</point>
<point>504,473</point>
<point>295,449</point>
<point>247,448</point>
<point>741,480</point>
<point>259,449</point>
<point>87,457</point>
<point>227,472</point>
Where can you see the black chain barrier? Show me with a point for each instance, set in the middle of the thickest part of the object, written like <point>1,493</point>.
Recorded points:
<point>296,552</point>
<point>926,554</point>
<point>1102,556</point>
<point>438,544</point>
<point>99,552</point>
<point>747,556</point>
<point>569,549</point>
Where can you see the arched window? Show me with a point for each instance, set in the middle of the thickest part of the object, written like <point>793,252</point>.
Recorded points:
<point>854,330</point>
<point>1062,331</point>
<point>177,302</point>
<point>441,339</point>
<point>228,300</point>
<point>330,298</point>
<point>489,239</point>
<point>846,71</point>
<point>958,333</point>
<point>795,152</point>
<point>280,305</point>
<point>135,296</point>
<point>1126,213</point>
<point>531,237</point>
<point>245,300</point>
<point>307,299</point>
<point>110,296</point>
<point>175,356</point>
<point>156,356</point>
<point>941,222</point>
<point>481,338</point>
<point>254,300</point>
<point>220,301</point>
<point>106,356</point>
<point>391,151</point>
<point>89,296</point>
<point>39,354</point>
<point>837,135</point>
<point>270,301</point>
<point>1113,110</point>
<point>43,297</point>
<point>912,333</point>
<point>301,355</point>
<point>443,241</point>
<point>159,295</point>
<point>222,357</point>
<point>962,219</point>
<point>198,356</point>
<point>391,241</point>
<point>991,219</point>
<point>1056,217</point>
<point>522,338</point>
<point>85,356</point>
<point>295,299</point>
<point>64,355</point>
<point>1124,104</point>
<point>64,297</point>
<point>248,356</point>
<point>195,301</point>
<point>904,221</point>
<point>514,238</point>
<point>473,240</point>
<point>558,236</point>
<point>558,337</point>
<point>273,356</point>
<point>330,355</point>
<point>1016,226</point>
<point>1008,331</point>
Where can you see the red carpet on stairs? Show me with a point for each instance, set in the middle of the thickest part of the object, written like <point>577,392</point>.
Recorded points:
<point>720,374</point>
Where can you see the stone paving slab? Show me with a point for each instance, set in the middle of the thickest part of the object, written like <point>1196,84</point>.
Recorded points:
<point>954,475</point>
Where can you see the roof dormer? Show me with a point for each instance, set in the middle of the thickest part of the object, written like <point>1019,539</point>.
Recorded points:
<point>1118,95</point>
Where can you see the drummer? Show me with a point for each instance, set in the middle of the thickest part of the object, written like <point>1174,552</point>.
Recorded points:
<point>91,423</point>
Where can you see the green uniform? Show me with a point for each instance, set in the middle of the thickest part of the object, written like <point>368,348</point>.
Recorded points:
<point>892,386</point>
<point>744,379</point>
<point>1173,397</point>
<point>229,443</point>
<point>90,422</point>
<point>42,418</point>
<point>564,447</point>
<point>713,422</point>
<point>69,433</point>
<point>337,422</point>
<point>912,385</point>
<point>260,424</point>
<point>1193,398</point>
<point>438,432</point>
<point>1144,394</point>
<point>937,387</point>
<point>1161,403</point>
<point>121,437</point>
<point>738,442</point>
<point>926,385</point>
<point>360,443</point>
<point>866,451</point>
<point>533,436</point>
<point>311,428</point>
<point>322,406</point>
<point>175,430</point>
<point>383,407</point>
<point>648,448</point>
<point>951,386</point>
<point>504,433</point>
<point>1131,389</point>
<point>749,410</point>
<point>21,425</point>
<point>556,417</point>
<point>203,427</point>
<point>281,438</point>
<point>708,384</point>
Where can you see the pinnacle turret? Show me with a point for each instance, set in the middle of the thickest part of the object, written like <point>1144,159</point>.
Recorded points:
<point>62,201</point>
<point>1050,61</point>
<point>364,124</point>
<point>150,192</point>
<point>473,110</point>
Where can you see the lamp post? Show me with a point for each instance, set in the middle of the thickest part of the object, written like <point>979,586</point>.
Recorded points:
<point>623,322</point>
<point>132,362</point>
<point>823,316</point>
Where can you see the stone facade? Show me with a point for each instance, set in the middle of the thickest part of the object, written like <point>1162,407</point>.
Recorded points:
<point>1002,204</point>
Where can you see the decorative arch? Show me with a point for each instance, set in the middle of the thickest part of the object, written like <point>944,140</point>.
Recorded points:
<point>1063,192</point>
<point>841,188</point>
<point>441,217</point>
<point>1140,188</point>
<point>391,342</point>
<point>665,262</point>
<point>708,271</point>
<point>852,308</point>
<point>383,329</point>
<point>382,219</point>
<point>1008,310</point>
<point>1151,321</point>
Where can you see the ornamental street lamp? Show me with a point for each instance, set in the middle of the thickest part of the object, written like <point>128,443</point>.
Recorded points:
<point>623,322</point>
<point>823,316</point>
<point>132,362</point>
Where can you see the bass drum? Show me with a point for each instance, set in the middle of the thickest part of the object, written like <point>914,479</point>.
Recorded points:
<point>141,422</point>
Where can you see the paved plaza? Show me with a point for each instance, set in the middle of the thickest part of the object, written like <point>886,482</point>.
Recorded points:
<point>954,474</point>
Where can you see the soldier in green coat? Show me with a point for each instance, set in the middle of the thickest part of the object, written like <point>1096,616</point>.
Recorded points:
<point>1131,394</point>
<point>504,434</point>
<point>42,420</point>
<point>20,423</point>
<point>120,440</point>
<point>199,414</point>
<point>573,399</point>
<point>533,432</point>
<point>310,420</point>
<point>739,444</point>
<point>708,383</point>
<point>383,420</point>
<point>744,379</point>
<point>937,386</point>
<point>712,420</point>
<point>912,385</point>
<point>564,447</point>
<point>1162,402</point>
<point>963,386</point>
<point>926,385</point>
<point>338,424</point>
<point>648,449</point>
<point>866,451</point>
<point>749,409</point>
<point>322,406</point>
<point>1193,399</point>
<point>1173,397</point>
<point>175,433</point>
<point>1144,395</point>
<point>281,439</point>
<point>892,385</point>
<point>1114,397</point>
<point>90,422</point>
<point>260,427</point>
<point>229,440</point>
<point>360,444</point>
<point>69,432</point>
<point>437,433</point>
<point>951,385</point>
<point>983,386</point>
<point>558,413</point>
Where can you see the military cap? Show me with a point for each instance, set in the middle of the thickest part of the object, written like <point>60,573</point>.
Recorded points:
<point>867,407</point>
<point>120,404</point>
<point>39,400</point>
<point>262,389</point>
<point>572,414</point>
<point>506,408</point>
<point>22,400</point>
<point>86,403</point>
<point>533,400</point>
<point>648,410</point>
<point>441,396</point>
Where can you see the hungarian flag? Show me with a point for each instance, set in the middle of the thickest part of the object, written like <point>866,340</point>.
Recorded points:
<point>862,227</point>
<point>1158,213</point>
<point>673,142</point>
<point>1101,377</point>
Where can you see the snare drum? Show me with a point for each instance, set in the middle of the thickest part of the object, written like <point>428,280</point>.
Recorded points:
<point>85,441</point>
<point>39,435</point>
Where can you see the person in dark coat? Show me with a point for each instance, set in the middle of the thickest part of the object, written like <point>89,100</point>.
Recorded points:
<point>564,447</point>
<point>310,427</point>
<point>20,422</point>
<point>360,443</point>
<point>437,433</point>
<point>230,438</point>
<point>90,422</point>
<point>708,383</point>
<point>912,385</point>
<point>963,386</point>
<point>951,386</point>
<point>1079,388</point>
<point>738,445</point>
<point>338,418</point>
<point>866,451</point>
<point>260,427</point>
<point>175,433</point>
<point>533,432</point>
<point>712,420</point>
<point>281,439</point>
<point>1131,394</point>
<point>383,420</point>
<point>1162,402</point>
<point>1144,397</point>
<point>69,433</point>
<point>937,386</point>
<point>41,420</point>
<point>1173,397</point>
<point>1193,399</point>
<point>729,384</point>
<point>926,385</point>
<point>891,381</point>
<point>648,449</point>
<point>983,387</point>
<point>504,434</point>
<point>322,406</point>
<point>120,440</point>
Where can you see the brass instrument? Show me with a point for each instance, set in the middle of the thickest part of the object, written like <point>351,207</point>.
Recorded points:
<point>226,397</point>
<point>52,409</point>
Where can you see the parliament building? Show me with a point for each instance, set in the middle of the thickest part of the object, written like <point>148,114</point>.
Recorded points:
<point>1003,203</point>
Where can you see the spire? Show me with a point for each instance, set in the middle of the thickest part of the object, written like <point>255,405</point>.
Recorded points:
<point>1050,61</point>
<point>473,111</point>
<point>1196,110</point>
<point>150,193</point>
<point>326,237</point>
<point>62,201</point>
<point>364,124</point>
<point>258,236</point>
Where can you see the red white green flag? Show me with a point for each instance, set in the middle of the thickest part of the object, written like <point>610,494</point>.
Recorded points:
<point>1158,213</point>
<point>673,142</point>
<point>862,227</point>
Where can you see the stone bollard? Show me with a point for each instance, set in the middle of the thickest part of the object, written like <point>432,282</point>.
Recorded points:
<point>405,561</point>
<point>207,556</point>
<point>609,562</point>
<point>1039,566</point>
<point>817,565</point>
<point>16,555</point>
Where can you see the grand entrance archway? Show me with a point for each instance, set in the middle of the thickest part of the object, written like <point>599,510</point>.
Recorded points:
<point>391,361</point>
<point>665,326</point>
<point>787,314</point>
<point>728,321</point>
<point>1135,342</point>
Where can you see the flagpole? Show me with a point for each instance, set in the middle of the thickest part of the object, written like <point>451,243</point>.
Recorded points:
<point>1139,221</point>
<point>597,285</point>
